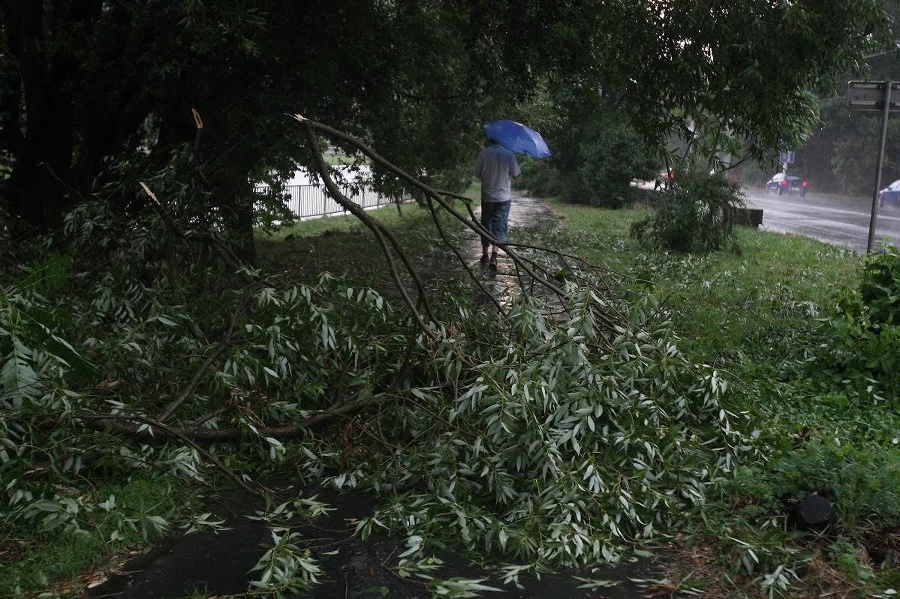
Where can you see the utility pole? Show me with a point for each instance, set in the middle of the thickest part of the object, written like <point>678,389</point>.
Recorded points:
<point>874,96</point>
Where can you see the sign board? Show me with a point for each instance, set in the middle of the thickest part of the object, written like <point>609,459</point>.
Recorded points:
<point>786,157</point>
<point>869,95</point>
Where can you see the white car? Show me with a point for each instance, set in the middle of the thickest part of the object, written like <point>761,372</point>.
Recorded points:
<point>890,194</point>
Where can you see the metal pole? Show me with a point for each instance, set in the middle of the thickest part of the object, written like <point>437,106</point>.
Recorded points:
<point>884,126</point>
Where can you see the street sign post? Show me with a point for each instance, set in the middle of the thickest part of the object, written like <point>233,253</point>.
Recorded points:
<point>786,159</point>
<point>870,95</point>
<point>876,96</point>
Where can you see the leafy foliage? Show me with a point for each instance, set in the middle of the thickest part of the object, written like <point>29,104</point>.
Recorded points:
<point>596,155</point>
<point>759,316</point>
<point>697,213</point>
<point>860,333</point>
<point>564,443</point>
<point>880,287</point>
<point>540,178</point>
<point>861,482</point>
<point>609,163</point>
<point>841,154</point>
<point>403,77</point>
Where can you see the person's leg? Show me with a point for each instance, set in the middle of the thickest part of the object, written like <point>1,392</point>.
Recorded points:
<point>487,217</point>
<point>497,225</point>
<point>500,221</point>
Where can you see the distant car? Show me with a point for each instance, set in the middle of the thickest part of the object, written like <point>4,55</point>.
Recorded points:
<point>782,183</point>
<point>890,194</point>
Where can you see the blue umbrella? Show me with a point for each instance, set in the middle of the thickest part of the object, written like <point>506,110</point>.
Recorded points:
<point>517,137</point>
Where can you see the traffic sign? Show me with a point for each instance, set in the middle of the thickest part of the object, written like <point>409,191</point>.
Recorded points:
<point>786,157</point>
<point>869,95</point>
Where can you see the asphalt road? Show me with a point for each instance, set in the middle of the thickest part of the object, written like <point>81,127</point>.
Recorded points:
<point>838,220</point>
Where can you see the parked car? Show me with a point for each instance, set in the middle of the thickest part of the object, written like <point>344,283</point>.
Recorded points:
<point>890,194</point>
<point>782,183</point>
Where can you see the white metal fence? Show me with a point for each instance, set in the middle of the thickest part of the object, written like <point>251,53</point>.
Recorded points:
<point>311,201</point>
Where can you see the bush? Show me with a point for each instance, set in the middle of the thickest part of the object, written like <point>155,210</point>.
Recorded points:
<point>540,178</point>
<point>594,160</point>
<point>694,214</point>
<point>609,161</point>
<point>861,335</point>
<point>880,288</point>
<point>861,481</point>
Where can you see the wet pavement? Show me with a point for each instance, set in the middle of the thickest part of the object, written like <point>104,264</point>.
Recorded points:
<point>210,564</point>
<point>838,220</point>
<point>530,218</point>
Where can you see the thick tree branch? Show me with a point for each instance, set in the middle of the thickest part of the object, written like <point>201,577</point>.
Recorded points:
<point>125,423</point>
<point>149,429</point>
<point>381,235</point>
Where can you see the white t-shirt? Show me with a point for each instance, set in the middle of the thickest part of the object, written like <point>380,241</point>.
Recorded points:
<point>496,166</point>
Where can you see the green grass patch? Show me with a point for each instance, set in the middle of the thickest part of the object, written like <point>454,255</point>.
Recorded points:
<point>755,314</point>
<point>344,246</point>
<point>725,302</point>
<point>110,519</point>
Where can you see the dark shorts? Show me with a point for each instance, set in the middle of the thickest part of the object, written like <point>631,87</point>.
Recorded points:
<point>494,218</point>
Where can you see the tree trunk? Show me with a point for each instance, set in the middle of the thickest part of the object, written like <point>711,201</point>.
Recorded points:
<point>244,230</point>
<point>38,194</point>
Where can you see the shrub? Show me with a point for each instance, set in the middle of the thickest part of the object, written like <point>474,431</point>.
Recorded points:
<point>594,159</point>
<point>695,214</point>
<point>861,481</point>
<point>880,288</point>
<point>609,161</point>
<point>861,335</point>
<point>540,178</point>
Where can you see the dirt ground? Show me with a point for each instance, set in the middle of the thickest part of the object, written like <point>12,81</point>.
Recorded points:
<point>210,564</point>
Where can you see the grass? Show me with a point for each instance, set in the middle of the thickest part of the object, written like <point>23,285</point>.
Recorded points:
<point>344,246</point>
<point>754,315</point>
<point>724,301</point>
<point>67,556</point>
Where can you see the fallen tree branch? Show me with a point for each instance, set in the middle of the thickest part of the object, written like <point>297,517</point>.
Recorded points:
<point>448,243</point>
<point>207,364</point>
<point>147,424</point>
<point>226,254</point>
<point>142,428</point>
<point>382,236</point>
<point>437,195</point>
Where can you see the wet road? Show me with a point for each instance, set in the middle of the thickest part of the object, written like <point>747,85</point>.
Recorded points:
<point>838,220</point>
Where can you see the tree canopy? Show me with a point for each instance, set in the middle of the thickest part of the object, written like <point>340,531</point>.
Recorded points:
<point>94,89</point>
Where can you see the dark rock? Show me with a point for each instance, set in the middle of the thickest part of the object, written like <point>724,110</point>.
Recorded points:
<point>814,512</point>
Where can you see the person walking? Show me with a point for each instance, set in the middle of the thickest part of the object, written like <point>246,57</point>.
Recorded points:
<point>496,167</point>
